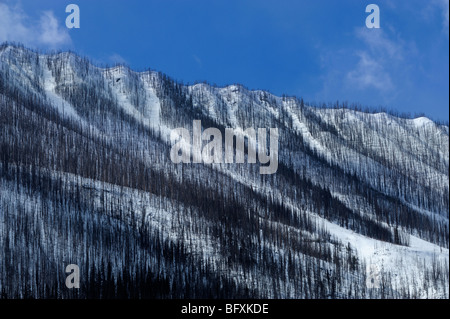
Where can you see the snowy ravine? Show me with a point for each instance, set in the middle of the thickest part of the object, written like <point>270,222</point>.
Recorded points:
<point>358,208</point>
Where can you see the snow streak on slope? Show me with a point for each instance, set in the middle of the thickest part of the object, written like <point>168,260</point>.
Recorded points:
<point>55,100</point>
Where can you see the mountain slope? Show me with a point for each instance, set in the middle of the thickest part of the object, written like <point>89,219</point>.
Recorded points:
<point>87,179</point>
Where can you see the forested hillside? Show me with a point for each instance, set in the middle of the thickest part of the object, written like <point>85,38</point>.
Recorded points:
<point>86,178</point>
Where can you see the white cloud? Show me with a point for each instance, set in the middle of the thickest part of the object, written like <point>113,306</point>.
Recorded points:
<point>378,43</point>
<point>443,4</point>
<point>435,8</point>
<point>117,59</point>
<point>51,33</point>
<point>370,73</point>
<point>16,26</point>
<point>197,60</point>
<point>375,63</point>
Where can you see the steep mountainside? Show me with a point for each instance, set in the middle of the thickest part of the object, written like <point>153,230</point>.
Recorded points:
<point>358,208</point>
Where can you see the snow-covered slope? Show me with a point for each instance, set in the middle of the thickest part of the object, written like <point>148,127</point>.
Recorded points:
<point>87,178</point>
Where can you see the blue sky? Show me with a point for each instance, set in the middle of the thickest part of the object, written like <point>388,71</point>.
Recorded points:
<point>318,50</point>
